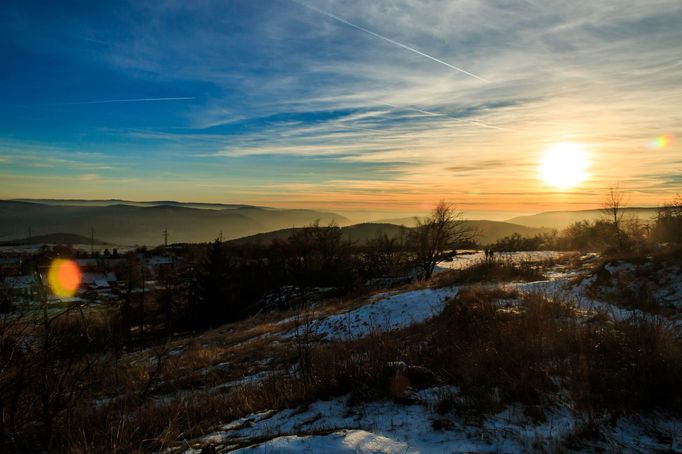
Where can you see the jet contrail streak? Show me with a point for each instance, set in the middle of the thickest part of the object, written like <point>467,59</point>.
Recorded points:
<point>396,43</point>
<point>436,114</point>
<point>109,101</point>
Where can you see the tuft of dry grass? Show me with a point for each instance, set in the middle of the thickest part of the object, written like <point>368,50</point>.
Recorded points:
<point>500,270</point>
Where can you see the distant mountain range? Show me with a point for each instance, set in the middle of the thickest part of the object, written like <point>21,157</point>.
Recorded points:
<point>562,219</point>
<point>121,222</point>
<point>130,223</point>
<point>108,202</point>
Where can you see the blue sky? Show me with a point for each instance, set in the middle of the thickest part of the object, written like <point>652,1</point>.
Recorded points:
<point>351,105</point>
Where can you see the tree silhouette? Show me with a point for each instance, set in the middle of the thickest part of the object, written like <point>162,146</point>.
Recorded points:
<point>443,230</point>
<point>214,289</point>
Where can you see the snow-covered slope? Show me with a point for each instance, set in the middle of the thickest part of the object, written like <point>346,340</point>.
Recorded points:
<point>385,427</point>
<point>385,312</point>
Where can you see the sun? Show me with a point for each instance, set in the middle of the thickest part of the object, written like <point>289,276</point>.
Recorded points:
<point>564,165</point>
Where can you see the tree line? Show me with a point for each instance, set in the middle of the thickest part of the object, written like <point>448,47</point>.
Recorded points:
<point>614,234</point>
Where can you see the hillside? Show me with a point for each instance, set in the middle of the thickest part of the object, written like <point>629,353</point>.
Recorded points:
<point>357,233</point>
<point>457,364</point>
<point>562,219</point>
<point>490,231</point>
<point>486,232</point>
<point>127,224</point>
<point>54,238</point>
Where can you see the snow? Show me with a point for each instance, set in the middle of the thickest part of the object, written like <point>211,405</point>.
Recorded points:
<point>19,282</point>
<point>619,266</point>
<point>343,441</point>
<point>334,426</point>
<point>468,259</point>
<point>248,380</point>
<point>386,313</point>
<point>386,427</point>
<point>573,286</point>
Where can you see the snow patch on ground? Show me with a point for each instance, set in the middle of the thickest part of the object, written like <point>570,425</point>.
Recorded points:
<point>391,312</point>
<point>386,427</point>
<point>573,286</point>
<point>466,260</point>
<point>343,441</point>
<point>249,379</point>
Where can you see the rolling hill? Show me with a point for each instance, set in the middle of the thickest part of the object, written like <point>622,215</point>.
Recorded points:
<point>129,223</point>
<point>486,232</point>
<point>562,219</point>
<point>490,231</point>
<point>357,233</point>
<point>54,238</point>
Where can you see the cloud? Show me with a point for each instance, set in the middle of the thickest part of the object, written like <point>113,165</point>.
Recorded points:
<point>37,155</point>
<point>389,40</point>
<point>283,90</point>
<point>108,101</point>
<point>487,165</point>
<point>89,177</point>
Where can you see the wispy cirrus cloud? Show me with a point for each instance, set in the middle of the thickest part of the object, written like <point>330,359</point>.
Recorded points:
<point>106,101</point>
<point>389,40</point>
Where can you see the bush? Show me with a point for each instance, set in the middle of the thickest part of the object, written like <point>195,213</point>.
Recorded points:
<point>502,270</point>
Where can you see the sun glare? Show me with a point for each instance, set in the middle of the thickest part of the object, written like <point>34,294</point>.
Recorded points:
<point>564,165</point>
<point>64,278</point>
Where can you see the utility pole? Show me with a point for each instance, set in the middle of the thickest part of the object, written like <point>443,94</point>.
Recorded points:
<point>142,265</point>
<point>165,238</point>
<point>221,237</point>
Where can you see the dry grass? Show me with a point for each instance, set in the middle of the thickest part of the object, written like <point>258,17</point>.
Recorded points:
<point>491,271</point>
<point>495,357</point>
<point>638,286</point>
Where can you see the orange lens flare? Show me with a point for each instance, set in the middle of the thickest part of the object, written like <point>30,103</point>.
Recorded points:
<point>64,278</point>
<point>662,141</point>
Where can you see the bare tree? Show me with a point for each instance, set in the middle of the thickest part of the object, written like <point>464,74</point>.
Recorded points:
<point>668,225</point>
<point>613,208</point>
<point>443,230</point>
<point>62,369</point>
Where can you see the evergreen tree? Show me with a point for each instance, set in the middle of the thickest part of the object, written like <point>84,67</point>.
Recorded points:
<point>215,303</point>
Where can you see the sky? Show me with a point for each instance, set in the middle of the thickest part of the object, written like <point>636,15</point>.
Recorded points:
<point>377,107</point>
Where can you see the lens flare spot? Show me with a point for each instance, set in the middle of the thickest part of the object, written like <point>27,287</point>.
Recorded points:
<point>64,277</point>
<point>662,141</point>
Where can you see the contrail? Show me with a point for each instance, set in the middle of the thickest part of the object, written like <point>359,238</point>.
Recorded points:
<point>396,43</point>
<point>109,101</point>
<point>437,114</point>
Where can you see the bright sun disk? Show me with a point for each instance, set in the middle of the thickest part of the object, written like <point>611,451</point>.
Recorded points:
<point>564,165</point>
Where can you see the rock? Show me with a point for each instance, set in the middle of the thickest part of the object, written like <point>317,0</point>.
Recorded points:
<point>421,377</point>
<point>210,449</point>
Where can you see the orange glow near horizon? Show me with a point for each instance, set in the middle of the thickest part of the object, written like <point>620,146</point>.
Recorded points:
<point>64,278</point>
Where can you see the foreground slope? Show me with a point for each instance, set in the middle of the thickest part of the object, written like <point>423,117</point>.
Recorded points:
<point>423,411</point>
